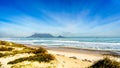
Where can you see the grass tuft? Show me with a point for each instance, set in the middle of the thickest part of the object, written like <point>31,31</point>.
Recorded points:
<point>39,50</point>
<point>0,64</point>
<point>106,63</point>
<point>38,57</point>
<point>41,54</point>
<point>1,55</point>
<point>6,49</point>
<point>11,44</point>
<point>3,42</point>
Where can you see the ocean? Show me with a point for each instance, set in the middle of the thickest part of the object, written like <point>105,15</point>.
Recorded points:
<point>95,43</point>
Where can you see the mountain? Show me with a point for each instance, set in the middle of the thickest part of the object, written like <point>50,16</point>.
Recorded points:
<point>60,36</point>
<point>41,35</point>
<point>44,35</point>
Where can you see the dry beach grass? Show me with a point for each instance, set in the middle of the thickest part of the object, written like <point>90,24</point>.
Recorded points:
<point>14,55</point>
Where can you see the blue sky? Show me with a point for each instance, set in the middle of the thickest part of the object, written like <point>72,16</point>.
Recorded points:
<point>20,18</point>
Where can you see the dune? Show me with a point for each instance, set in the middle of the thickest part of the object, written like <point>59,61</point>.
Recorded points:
<point>29,56</point>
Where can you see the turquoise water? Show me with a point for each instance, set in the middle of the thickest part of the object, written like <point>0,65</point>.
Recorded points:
<point>112,44</point>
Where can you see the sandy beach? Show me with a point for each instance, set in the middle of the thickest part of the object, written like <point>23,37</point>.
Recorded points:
<point>78,52</point>
<point>82,58</point>
<point>76,57</point>
<point>65,57</point>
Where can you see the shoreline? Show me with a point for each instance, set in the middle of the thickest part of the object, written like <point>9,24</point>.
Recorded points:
<point>93,51</point>
<point>81,54</point>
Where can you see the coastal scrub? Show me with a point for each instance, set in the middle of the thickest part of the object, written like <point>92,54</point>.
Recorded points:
<point>106,63</point>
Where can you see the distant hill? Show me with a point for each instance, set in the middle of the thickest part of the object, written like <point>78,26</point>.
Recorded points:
<point>44,35</point>
<point>60,36</point>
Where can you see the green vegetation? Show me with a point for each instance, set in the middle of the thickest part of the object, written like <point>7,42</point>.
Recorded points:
<point>18,45</point>
<point>30,50</point>
<point>11,44</point>
<point>24,50</point>
<point>106,63</point>
<point>39,50</point>
<point>1,55</point>
<point>41,54</point>
<point>6,49</point>
<point>6,54</point>
<point>23,66</point>
<point>38,57</point>
<point>0,64</point>
<point>2,42</point>
<point>49,67</point>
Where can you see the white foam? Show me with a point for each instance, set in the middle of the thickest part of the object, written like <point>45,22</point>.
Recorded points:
<point>67,43</point>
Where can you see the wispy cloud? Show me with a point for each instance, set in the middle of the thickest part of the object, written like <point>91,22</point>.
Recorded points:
<point>70,18</point>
